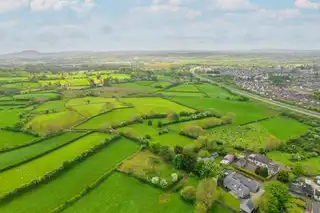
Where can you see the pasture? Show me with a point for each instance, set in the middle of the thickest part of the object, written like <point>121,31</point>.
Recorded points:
<point>181,94</point>
<point>137,88</point>
<point>10,139</point>
<point>183,88</point>
<point>127,194</point>
<point>78,82</point>
<point>43,95</point>
<point>172,139</point>
<point>69,184</point>
<point>21,85</point>
<point>215,91</point>
<point>22,154</point>
<point>50,123</point>
<point>25,173</point>
<point>9,117</point>
<point>51,106</point>
<point>284,128</point>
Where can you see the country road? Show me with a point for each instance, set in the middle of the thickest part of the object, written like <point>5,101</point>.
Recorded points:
<point>259,98</point>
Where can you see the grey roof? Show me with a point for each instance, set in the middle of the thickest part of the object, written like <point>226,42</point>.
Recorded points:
<point>241,163</point>
<point>303,189</point>
<point>262,159</point>
<point>236,187</point>
<point>274,167</point>
<point>247,205</point>
<point>317,193</point>
<point>252,185</point>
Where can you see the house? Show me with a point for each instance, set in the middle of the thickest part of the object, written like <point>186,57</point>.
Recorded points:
<point>227,159</point>
<point>302,188</point>
<point>247,205</point>
<point>212,157</point>
<point>263,161</point>
<point>236,187</point>
<point>317,195</point>
<point>252,185</point>
<point>241,163</point>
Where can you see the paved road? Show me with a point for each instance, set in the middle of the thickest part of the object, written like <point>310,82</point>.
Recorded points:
<point>257,97</point>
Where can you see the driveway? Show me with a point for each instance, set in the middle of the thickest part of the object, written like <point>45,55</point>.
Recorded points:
<point>316,207</point>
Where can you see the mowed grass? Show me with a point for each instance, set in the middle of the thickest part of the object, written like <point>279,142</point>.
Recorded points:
<point>44,95</point>
<point>32,170</point>
<point>19,155</point>
<point>120,193</point>
<point>245,111</point>
<point>10,139</point>
<point>183,88</point>
<point>9,117</point>
<point>284,128</point>
<point>219,209</point>
<point>156,105</point>
<point>110,118</point>
<point>50,123</point>
<point>310,166</point>
<point>47,197</point>
<point>51,106</point>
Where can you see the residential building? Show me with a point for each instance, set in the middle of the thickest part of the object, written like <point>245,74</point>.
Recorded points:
<point>302,188</point>
<point>247,205</point>
<point>236,187</point>
<point>252,185</point>
<point>263,161</point>
<point>317,194</point>
<point>229,158</point>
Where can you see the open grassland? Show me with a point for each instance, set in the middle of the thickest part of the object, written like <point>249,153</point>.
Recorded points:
<point>22,85</point>
<point>251,136</point>
<point>127,194</point>
<point>12,79</point>
<point>284,128</point>
<point>134,87</point>
<point>245,111</point>
<point>6,98</point>
<point>91,100</point>
<point>13,103</point>
<point>22,154</point>
<point>219,209</point>
<point>95,109</point>
<point>141,166</point>
<point>162,84</point>
<point>78,82</point>
<point>51,106</point>
<point>183,88</point>
<point>10,139</point>
<point>27,172</point>
<point>145,83</point>
<point>214,91</point>
<point>47,197</point>
<point>157,105</point>
<point>9,117</point>
<point>50,123</point>
<point>310,166</point>
<point>111,118</point>
<point>119,76</point>
<point>180,126</point>
<point>172,139</point>
<point>52,82</point>
<point>44,95</point>
<point>182,94</point>
<point>139,130</point>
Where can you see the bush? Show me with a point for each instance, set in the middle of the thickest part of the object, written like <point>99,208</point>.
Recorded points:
<point>203,153</point>
<point>188,193</point>
<point>262,171</point>
<point>155,180</point>
<point>150,122</point>
<point>163,183</point>
<point>175,177</point>
<point>177,161</point>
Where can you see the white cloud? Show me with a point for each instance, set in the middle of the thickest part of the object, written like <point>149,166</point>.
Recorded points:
<point>160,5</point>
<point>191,14</point>
<point>307,4</point>
<point>9,5</point>
<point>77,5</point>
<point>233,5</point>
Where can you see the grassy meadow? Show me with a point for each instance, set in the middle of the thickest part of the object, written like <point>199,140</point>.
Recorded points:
<point>11,139</point>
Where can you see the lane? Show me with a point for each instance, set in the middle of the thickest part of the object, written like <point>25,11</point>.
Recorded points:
<point>259,98</point>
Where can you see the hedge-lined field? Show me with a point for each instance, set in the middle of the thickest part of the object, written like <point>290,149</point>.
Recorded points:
<point>44,95</point>
<point>27,172</point>
<point>127,194</point>
<point>21,85</point>
<point>134,87</point>
<point>181,94</point>
<point>276,126</point>
<point>55,106</point>
<point>183,88</point>
<point>51,123</point>
<point>245,111</point>
<point>47,197</point>
<point>91,100</point>
<point>10,139</point>
<point>215,91</point>
<point>19,155</point>
<point>9,117</point>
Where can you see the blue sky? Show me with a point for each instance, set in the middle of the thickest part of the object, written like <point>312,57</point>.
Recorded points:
<point>105,25</point>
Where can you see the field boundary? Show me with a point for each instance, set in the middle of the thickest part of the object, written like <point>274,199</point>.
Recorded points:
<point>44,153</point>
<point>168,99</point>
<point>259,120</point>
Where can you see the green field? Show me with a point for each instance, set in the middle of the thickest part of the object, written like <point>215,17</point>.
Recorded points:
<point>140,130</point>
<point>9,117</point>
<point>46,197</point>
<point>91,100</point>
<point>22,85</point>
<point>181,94</point>
<point>19,155</point>
<point>172,139</point>
<point>6,98</point>
<point>44,95</point>
<point>51,106</point>
<point>277,125</point>
<point>78,82</point>
<point>244,111</point>
<point>183,88</point>
<point>126,194</point>
<point>11,139</point>
<point>214,91</point>
<point>52,82</point>
<point>27,172</point>
<point>134,87</point>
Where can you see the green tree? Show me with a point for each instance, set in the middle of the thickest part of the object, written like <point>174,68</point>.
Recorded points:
<point>283,176</point>
<point>276,198</point>
<point>177,161</point>
<point>207,193</point>
<point>188,193</point>
<point>165,153</point>
<point>150,123</point>
<point>189,162</point>
<point>209,169</point>
<point>178,149</point>
<point>298,170</point>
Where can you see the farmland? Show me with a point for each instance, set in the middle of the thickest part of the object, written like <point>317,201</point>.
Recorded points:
<point>134,141</point>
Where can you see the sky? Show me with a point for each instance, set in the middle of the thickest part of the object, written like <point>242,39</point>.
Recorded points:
<point>109,25</point>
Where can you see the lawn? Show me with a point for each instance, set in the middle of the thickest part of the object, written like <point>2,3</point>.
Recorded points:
<point>127,194</point>
<point>219,209</point>
<point>284,128</point>
<point>251,136</point>
<point>46,197</point>
<point>157,105</point>
<point>44,95</point>
<point>111,118</point>
<point>245,111</point>
<point>9,117</point>
<point>183,88</point>
<point>19,155</point>
<point>51,106</point>
<point>50,123</point>
<point>229,199</point>
<point>27,172</point>
<point>141,166</point>
<point>310,166</point>
<point>11,139</point>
